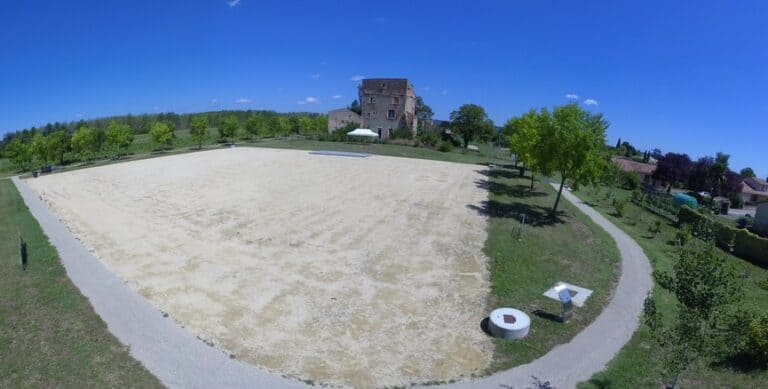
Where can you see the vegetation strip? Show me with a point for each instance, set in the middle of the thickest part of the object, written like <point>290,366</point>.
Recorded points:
<point>50,336</point>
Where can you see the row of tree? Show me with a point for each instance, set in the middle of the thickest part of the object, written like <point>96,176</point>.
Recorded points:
<point>37,148</point>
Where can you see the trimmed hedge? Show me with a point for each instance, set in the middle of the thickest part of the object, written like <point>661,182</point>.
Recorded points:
<point>746,245</point>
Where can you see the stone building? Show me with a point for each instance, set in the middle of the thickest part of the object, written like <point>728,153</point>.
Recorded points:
<point>388,105</point>
<point>338,118</point>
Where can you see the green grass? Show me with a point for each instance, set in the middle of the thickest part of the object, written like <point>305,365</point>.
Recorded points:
<point>568,248</point>
<point>639,365</point>
<point>50,336</point>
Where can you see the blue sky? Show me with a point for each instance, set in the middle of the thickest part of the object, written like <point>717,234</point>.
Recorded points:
<point>680,76</point>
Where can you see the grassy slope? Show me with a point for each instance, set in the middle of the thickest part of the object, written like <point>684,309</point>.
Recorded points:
<point>638,364</point>
<point>569,248</point>
<point>50,336</point>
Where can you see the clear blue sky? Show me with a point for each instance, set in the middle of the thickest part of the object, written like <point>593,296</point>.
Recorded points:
<point>687,77</point>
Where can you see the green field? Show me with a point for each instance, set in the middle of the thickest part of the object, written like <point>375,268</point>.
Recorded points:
<point>638,365</point>
<point>568,248</point>
<point>50,336</point>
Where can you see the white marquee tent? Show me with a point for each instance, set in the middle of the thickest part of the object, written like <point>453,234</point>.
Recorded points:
<point>364,132</point>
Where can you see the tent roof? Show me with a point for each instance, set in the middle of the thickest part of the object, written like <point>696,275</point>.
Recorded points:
<point>363,132</point>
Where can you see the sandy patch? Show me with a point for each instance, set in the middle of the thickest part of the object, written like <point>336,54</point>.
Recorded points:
<point>363,272</point>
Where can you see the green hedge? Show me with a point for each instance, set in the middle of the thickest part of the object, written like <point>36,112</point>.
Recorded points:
<point>746,245</point>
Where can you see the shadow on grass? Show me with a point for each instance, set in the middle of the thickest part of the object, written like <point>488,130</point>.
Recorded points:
<point>548,316</point>
<point>741,362</point>
<point>601,383</point>
<point>535,215</point>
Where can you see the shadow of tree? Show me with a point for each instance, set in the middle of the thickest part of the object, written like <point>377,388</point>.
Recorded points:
<point>741,362</point>
<point>535,215</point>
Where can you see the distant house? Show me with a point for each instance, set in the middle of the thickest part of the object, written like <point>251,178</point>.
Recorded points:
<point>387,105</point>
<point>644,170</point>
<point>754,190</point>
<point>339,118</point>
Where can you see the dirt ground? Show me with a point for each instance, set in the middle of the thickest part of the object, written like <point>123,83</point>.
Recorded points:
<point>362,272</point>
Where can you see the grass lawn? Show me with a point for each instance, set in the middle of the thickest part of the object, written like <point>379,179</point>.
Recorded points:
<point>638,364</point>
<point>568,248</point>
<point>50,336</point>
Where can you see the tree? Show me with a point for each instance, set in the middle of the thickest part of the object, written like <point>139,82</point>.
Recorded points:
<point>618,144</point>
<point>718,170</point>
<point>699,175</point>
<point>84,142</point>
<point>423,113</point>
<point>304,124</point>
<point>119,136</point>
<point>58,143</point>
<point>41,149</point>
<point>672,167</point>
<point>573,142</point>
<point>162,134</point>
<point>525,137</point>
<point>19,153</point>
<point>255,125</point>
<point>708,295</point>
<point>656,154</point>
<point>321,124</point>
<point>470,121</point>
<point>228,127</point>
<point>355,107</point>
<point>199,129</point>
<point>747,172</point>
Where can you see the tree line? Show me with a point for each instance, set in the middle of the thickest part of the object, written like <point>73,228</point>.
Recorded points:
<point>83,140</point>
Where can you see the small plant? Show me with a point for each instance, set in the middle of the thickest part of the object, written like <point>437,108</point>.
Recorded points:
<point>757,338</point>
<point>655,228</point>
<point>620,206</point>
<point>764,284</point>
<point>445,147</point>
<point>683,234</point>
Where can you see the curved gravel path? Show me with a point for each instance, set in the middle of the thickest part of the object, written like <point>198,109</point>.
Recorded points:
<point>179,359</point>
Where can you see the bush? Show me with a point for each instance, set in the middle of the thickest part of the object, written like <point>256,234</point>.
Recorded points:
<point>683,234</point>
<point>742,243</point>
<point>620,206</point>
<point>736,201</point>
<point>655,228</point>
<point>402,133</point>
<point>757,338</point>
<point>630,180</point>
<point>428,138</point>
<point>445,147</point>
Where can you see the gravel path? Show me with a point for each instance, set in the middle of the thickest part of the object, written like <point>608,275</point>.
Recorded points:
<point>591,350</point>
<point>179,359</point>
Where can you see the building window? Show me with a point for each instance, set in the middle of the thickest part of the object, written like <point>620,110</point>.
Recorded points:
<point>368,115</point>
<point>395,100</point>
<point>391,114</point>
<point>372,100</point>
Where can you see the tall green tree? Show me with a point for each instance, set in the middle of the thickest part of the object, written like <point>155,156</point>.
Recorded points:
<point>471,122</point>
<point>304,124</point>
<point>198,129</point>
<point>423,113</point>
<point>84,143</point>
<point>228,127</point>
<point>161,134</point>
<point>320,124</point>
<point>255,125</point>
<point>524,135</point>
<point>41,149</point>
<point>747,172</point>
<point>718,170</point>
<point>572,144</point>
<point>19,153</point>
<point>119,136</point>
<point>58,143</point>
<point>355,107</point>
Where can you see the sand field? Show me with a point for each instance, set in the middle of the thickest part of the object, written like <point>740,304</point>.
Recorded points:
<point>364,272</point>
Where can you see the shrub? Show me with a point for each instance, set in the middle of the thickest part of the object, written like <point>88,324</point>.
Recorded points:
<point>445,147</point>
<point>683,234</point>
<point>428,138</point>
<point>631,180</point>
<point>736,201</point>
<point>742,243</point>
<point>655,228</point>
<point>757,338</point>
<point>401,133</point>
<point>619,206</point>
